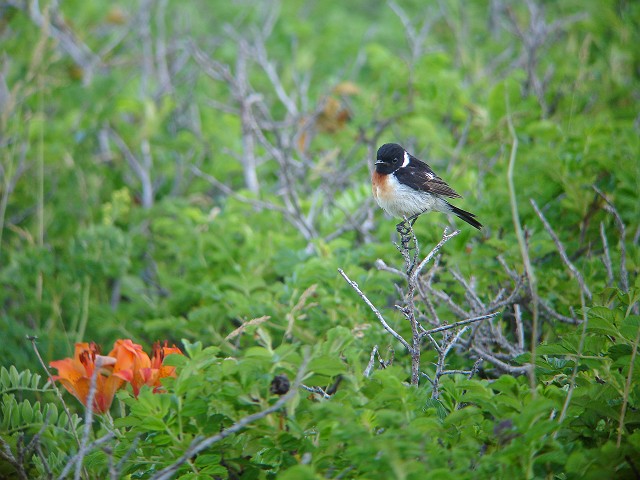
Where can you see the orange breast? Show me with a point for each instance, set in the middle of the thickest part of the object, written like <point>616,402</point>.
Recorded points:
<point>380,186</point>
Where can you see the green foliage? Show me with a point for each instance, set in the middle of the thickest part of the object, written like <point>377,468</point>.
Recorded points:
<point>83,258</point>
<point>29,419</point>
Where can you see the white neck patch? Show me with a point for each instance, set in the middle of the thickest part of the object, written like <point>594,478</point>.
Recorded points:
<point>406,160</point>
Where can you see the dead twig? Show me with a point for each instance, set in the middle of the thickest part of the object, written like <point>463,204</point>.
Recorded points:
<point>377,313</point>
<point>372,361</point>
<point>458,324</point>
<point>561,250</point>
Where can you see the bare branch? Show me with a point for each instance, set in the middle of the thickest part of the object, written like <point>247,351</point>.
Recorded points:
<point>563,254</point>
<point>505,367</point>
<point>459,324</point>
<point>377,313</point>
<point>519,326</point>
<point>230,192</point>
<point>445,238</point>
<point>142,170</point>
<point>316,390</point>
<point>558,316</point>
<point>523,245</point>
<point>248,323</point>
<point>88,423</point>
<point>55,27</point>
<point>7,455</point>
<point>372,361</point>
<point>606,256</point>
<point>469,291</point>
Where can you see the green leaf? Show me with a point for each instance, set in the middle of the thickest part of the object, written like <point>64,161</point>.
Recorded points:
<point>27,412</point>
<point>299,472</point>
<point>153,424</point>
<point>602,326</point>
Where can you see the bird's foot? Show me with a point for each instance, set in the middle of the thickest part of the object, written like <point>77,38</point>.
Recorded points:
<point>403,228</point>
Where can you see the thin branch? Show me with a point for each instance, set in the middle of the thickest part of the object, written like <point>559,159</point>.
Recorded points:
<point>445,238</point>
<point>316,390</point>
<point>88,420</point>
<point>142,172</point>
<point>5,452</point>
<point>458,324</point>
<point>55,27</point>
<point>381,265</point>
<point>519,326</point>
<point>372,361</point>
<point>470,293</point>
<point>523,246</point>
<point>381,319</point>
<point>558,316</point>
<point>230,192</point>
<point>499,363</point>
<point>77,458</point>
<point>563,254</point>
<point>606,256</point>
<point>248,323</point>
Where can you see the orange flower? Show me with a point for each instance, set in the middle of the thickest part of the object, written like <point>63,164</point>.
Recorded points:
<point>75,375</point>
<point>158,370</point>
<point>127,362</point>
<point>131,363</point>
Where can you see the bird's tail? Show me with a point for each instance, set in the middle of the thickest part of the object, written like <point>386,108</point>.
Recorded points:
<point>466,216</point>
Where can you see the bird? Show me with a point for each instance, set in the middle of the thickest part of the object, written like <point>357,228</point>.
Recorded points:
<point>407,187</point>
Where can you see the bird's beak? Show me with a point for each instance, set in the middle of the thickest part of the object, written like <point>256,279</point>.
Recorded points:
<point>379,162</point>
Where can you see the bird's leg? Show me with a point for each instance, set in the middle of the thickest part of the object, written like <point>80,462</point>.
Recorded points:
<point>405,230</point>
<point>402,228</point>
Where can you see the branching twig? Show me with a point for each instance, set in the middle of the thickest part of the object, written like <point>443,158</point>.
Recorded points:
<point>445,238</point>
<point>51,22</point>
<point>500,364</point>
<point>7,455</point>
<point>458,324</point>
<point>316,390</point>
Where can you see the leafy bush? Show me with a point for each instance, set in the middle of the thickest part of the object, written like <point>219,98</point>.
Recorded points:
<point>172,171</point>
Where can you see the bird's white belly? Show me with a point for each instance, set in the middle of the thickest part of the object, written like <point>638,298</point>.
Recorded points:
<point>401,200</point>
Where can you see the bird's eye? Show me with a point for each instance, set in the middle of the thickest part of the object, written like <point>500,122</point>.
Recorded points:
<point>395,160</point>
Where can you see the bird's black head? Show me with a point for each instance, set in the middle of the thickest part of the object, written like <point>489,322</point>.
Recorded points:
<point>391,157</point>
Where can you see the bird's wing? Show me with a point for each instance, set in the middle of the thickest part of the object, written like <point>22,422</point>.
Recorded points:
<point>419,175</point>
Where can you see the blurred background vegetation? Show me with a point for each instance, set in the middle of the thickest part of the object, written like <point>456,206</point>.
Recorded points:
<point>171,169</point>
